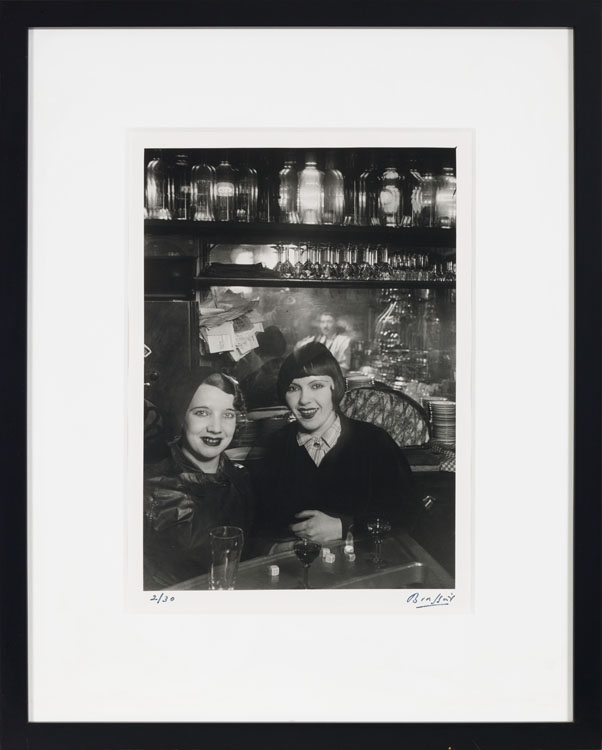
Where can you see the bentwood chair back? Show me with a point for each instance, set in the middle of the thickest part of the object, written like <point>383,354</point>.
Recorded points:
<point>402,417</point>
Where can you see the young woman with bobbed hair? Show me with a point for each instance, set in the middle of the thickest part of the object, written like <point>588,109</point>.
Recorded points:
<point>324,473</point>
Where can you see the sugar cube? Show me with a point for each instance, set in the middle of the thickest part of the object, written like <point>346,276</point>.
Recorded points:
<point>329,558</point>
<point>274,570</point>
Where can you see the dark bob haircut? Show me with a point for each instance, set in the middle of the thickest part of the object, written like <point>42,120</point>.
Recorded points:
<point>311,359</point>
<point>186,386</point>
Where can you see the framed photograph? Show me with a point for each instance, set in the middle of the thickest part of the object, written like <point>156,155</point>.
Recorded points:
<point>303,375</point>
<point>262,261</point>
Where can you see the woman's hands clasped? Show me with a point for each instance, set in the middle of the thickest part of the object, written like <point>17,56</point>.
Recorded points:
<point>317,526</point>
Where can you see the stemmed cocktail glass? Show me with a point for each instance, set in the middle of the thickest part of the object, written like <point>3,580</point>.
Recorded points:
<point>378,528</point>
<point>306,551</point>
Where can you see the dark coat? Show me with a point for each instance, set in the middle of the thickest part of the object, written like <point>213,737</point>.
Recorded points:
<point>363,475</point>
<point>182,504</point>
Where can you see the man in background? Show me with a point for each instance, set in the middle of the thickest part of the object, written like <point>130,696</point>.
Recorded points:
<point>337,343</point>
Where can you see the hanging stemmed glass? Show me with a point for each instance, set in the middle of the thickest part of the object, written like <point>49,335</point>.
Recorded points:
<point>379,529</point>
<point>306,268</point>
<point>338,258</point>
<point>280,250</point>
<point>345,263</point>
<point>298,266</point>
<point>306,551</point>
<point>329,270</point>
<point>366,263</point>
<point>286,269</point>
<point>383,269</point>
<point>354,271</point>
<point>316,266</point>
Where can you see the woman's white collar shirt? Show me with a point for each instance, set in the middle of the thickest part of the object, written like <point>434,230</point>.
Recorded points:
<point>318,445</point>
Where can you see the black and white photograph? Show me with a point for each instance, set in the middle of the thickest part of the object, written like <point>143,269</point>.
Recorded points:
<point>299,369</point>
<point>309,382</point>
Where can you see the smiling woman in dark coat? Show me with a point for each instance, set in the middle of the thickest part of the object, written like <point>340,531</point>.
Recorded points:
<point>197,487</point>
<point>324,473</point>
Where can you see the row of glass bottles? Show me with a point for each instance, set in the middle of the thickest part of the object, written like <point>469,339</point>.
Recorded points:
<point>361,197</point>
<point>313,261</point>
<point>174,190</point>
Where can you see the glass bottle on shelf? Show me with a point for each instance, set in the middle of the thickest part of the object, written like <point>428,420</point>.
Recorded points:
<point>334,195</point>
<point>368,187</point>
<point>310,195</point>
<point>156,188</point>
<point>267,199</point>
<point>287,196</point>
<point>410,188</point>
<point>178,188</point>
<point>246,192</point>
<point>428,197</point>
<point>390,198</point>
<point>351,179</point>
<point>445,202</point>
<point>225,191</point>
<point>203,192</point>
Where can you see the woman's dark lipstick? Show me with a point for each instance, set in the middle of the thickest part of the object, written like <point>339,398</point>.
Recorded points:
<point>212,442</point>
<point>307,413</point>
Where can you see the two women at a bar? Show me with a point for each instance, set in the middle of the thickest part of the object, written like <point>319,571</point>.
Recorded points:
<point>321,475</point>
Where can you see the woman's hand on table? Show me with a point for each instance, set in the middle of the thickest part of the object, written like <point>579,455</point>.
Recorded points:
<point>317,526</point>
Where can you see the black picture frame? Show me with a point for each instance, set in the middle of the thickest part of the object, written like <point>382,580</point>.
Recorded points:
<point>584,17</point>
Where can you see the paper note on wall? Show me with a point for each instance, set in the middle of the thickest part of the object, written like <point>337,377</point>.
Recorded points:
<point>219,338</point>
<point>245,341</point>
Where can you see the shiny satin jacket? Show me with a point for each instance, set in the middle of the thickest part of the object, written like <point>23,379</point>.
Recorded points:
<point>181,506</point>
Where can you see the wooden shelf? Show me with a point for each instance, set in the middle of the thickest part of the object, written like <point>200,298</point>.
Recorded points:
<point>205,281</point>
<point>409,238</point>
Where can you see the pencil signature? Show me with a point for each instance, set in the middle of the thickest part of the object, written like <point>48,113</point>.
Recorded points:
<point>436,600</point>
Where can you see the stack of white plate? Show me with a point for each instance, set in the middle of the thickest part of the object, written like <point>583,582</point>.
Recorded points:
<point>443,421</point>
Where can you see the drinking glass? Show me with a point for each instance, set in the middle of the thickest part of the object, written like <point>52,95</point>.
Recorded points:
<point>307,552</point>
<point>226,546</point>
<point>378,528</point>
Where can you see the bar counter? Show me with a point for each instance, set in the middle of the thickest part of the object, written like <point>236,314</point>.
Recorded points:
<point>408,565</point>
